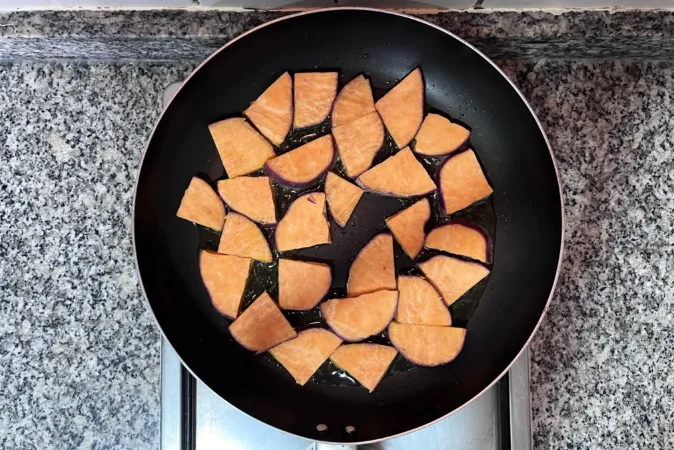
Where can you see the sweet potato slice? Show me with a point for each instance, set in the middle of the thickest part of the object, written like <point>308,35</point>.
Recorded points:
<point>460,239</point>
<point>241,237</point>
<point>367,363</point>
<point>353,102</point>
<point>272,112</point>
<point>200,204</point>
<point>304,225</point>
<point>314,94</point>
<point>358,142</point>
<point>302,284</point>
<point>250,196</point>
<point>342,198</point>
<point>355,318</point>
<point>438,136</point>
<point>225,279</point>
<point>419,303</point>
<point>242,149</point>
<point>452,277</point>
<point>462,182</point>
<point>401,175</point>
<point>402,108</point>
<point>303,355</point>
<point>303,165</point>
<point>407,227</point>
<point>261,326</point>
<point>427,345</point>
<point>374,267</point>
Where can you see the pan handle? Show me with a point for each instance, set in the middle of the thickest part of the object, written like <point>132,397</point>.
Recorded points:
<point>323,446</point>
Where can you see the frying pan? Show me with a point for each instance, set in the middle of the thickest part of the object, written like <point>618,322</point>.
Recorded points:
<point>524,219</point>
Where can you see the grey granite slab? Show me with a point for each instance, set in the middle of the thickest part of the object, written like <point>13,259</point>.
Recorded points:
<point>179,34</point>
<point>79,350</point>
<point>602,361</point>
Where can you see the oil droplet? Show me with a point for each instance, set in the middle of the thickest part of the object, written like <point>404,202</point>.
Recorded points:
<point>366,55</point>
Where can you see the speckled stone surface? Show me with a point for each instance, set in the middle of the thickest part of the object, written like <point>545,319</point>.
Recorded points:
<point>180,34</point>
<point>79,350</point>
<point>602,361</point>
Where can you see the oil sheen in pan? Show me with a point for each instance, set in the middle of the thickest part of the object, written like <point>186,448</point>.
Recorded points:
<point>366,221</point>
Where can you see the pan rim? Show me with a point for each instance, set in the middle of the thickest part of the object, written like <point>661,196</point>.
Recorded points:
<point>512,85</point>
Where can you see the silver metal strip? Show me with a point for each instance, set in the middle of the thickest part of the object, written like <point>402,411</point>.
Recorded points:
<point>520,403</point>
<point>171,437</point>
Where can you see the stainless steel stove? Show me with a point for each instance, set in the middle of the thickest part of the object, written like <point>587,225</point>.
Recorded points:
<point>194,418</point>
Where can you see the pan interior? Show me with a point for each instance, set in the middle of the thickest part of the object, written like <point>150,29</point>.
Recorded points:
<point>523,219</point>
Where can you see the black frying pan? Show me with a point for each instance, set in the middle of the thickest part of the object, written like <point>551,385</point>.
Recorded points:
<point>524,220</point>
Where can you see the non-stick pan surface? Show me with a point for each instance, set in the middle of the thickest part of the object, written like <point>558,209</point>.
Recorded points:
<point>524,220</point>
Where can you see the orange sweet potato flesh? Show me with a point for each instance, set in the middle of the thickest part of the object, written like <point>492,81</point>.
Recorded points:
<point>304,225</point>
<point>302,284</point>
<point>407,227</point>
<point>342,198</point>
<point>225,279</point>
<point>314,94</point>
<point>353,102</point>
<point>374,267</point>
<point>401,175</point>
<point>419,303</point>
<point>303,165</point>
<point>261,326</point>
<point>452,277</point>
<point>358,142</point>
<point>241,237</point>
<point>402,108</point>
<point>367,363</point>
<point>355,318</point>
<point>242,149</point>
<point>250,196</point>
<point>459,239</point>
<point>438,136</point>
<point>303,355</point>
<point>462,182</point>
<point>200,204</point>
<point>272,112</point>
<point>427,345</point>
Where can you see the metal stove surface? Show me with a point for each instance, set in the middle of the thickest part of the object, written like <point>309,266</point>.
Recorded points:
<point>194,418</point>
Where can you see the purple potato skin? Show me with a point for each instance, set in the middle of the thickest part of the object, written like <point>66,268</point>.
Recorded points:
<point>365,337</point>
<point>485,236</point>
<point>438,183</point>
<point>279,178</point>
<point>257,352</point>
<point>426,365</point>
<point>334,99</point>
<point>301,196</point>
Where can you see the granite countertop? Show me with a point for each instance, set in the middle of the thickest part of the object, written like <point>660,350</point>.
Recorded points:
<point>79,350</point>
